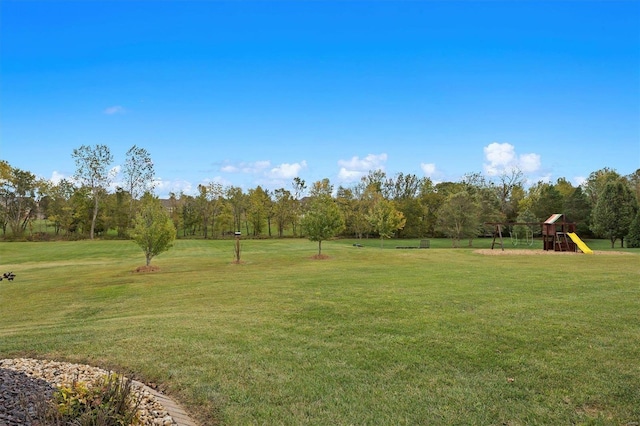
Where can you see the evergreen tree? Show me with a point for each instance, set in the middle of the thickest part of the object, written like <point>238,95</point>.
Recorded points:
<point>633,237</point>
<point>614,211</point>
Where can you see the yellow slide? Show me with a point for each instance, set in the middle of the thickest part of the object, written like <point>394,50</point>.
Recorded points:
<point>581,245</point>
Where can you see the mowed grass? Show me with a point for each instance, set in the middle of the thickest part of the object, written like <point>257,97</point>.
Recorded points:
<point>368,336</point>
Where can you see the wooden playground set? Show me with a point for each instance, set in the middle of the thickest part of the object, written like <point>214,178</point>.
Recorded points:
<point>557,234</point>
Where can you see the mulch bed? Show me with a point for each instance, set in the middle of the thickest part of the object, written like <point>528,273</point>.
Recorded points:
<point>150,268</point>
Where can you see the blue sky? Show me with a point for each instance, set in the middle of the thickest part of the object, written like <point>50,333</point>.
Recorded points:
<point>256,93</point>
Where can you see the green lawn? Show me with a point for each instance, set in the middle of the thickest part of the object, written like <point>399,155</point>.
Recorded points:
<point>368,336</point>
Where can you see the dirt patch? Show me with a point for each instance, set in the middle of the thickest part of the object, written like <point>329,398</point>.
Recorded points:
<point>149,268</point>
<point>320,257</point>
<point>508,252</point>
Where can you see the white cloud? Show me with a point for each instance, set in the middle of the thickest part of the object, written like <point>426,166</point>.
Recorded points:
<point>264,173</point>
<point>353,169</point>
<point>287,171</point>
<point>529,163</point>
<point>56,177</point>
<point>349,175</point>
<point>218,179</point>
<point>429,169</point>
<point>502,158</point>
<point>164,187</point>
<point>229,168</point>
<point>116,109</point>
<point>370,162</point>
<point>579,180</point>
<point>547,177</point>
<point>258,166</point>
<point>255,167</point>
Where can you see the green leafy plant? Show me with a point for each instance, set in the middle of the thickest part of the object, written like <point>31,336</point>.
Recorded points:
<point>110,402</point>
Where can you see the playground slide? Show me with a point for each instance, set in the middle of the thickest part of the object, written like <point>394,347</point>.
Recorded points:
<point>581,245</point>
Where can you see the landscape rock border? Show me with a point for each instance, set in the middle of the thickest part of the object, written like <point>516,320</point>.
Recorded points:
<point>37,377</point>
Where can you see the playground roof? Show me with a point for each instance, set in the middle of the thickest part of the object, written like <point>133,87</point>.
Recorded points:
<point>554,218</point>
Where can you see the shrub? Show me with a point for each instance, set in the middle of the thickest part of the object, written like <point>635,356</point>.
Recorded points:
<point>110,402</point>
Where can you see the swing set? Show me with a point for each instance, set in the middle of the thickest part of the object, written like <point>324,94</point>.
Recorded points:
<point>557,234</point>
<point>516,238</point>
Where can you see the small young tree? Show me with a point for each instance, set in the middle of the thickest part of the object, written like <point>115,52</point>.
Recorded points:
<point>322,220</point>
<point>153,229</point>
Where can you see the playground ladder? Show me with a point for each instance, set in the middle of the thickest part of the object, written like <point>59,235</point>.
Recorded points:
<point>562,244</point>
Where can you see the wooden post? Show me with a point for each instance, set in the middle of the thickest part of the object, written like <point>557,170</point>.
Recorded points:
<point>498,231</point>
<point>237,250</point>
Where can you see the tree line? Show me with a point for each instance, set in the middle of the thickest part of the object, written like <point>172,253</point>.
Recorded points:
<point>378,206</point>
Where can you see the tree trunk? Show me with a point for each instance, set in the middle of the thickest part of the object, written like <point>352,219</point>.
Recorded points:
<point>95,216</point>
<point>319,248</point>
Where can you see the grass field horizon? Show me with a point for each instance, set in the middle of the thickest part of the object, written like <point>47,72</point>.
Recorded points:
<point>367,336</point>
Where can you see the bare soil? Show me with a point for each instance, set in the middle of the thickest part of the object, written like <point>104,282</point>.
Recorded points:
<point>507,252</point>
<point>150,268</point>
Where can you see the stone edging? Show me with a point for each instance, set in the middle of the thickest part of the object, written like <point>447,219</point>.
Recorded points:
<point>180,417</point>
<point>58,373</point>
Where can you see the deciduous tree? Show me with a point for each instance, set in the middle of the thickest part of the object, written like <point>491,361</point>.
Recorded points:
<point>92,171</point>
<point>385,219</point>
<point>237,201</point>
<point>458,217</point>
<point>596,182</point>
<point>507,183</point>
<point>299,187</point>
<point>283,209</point>
<point>139,174</point>
<point>18,189</point>
<point>153,229</point>
<point>321,187</point>
<point>258,208</point>
<point>203,207</point>
<point>322,220</point>
<point>549,201</point>
<point>577,209</point>
<point>59,208</point>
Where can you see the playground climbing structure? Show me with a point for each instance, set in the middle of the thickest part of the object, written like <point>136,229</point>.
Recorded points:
<point>557,234</point>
